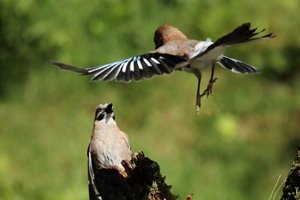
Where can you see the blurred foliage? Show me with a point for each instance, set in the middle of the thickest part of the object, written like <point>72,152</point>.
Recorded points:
<point>246,133</point>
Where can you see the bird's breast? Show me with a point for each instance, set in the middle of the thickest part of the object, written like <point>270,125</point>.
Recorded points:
<point>109,147</point>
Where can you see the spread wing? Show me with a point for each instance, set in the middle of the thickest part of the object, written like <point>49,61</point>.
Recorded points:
<point>241,35</point>
<point>131,69</point>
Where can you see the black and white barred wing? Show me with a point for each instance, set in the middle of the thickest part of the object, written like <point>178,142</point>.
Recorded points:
<point>131,69</point>
<point>237,66</point>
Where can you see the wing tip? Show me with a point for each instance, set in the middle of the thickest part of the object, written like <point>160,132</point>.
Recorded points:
<point>56,63</point>
<point>69,67</point>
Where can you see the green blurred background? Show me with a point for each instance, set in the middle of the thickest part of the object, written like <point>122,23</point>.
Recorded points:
<point>246,134</point>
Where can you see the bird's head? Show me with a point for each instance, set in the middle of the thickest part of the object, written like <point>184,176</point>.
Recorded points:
<point>165,33</point>
<point>105,113</point>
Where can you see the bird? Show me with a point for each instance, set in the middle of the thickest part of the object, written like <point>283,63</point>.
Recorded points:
<point>174,51</point>
<point>108,148</point>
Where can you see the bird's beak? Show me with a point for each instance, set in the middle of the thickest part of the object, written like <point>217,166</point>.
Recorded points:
<point>109,108</point>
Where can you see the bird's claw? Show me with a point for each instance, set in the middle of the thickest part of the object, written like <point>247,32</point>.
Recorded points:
<point>198,109</point>
<point>127,165</point>
<point>208,90</point>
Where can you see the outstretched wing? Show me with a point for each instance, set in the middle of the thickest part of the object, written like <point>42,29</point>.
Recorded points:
<point>241,35</point>
<point>131,69</point>
<point>208,51</point>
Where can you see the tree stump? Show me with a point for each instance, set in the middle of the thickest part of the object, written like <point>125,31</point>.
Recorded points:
<point>144,182</point>
<point>291,190</point>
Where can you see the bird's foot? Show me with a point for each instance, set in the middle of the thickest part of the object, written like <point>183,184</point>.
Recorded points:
<point>198,103</point>
<point>128,167</point>
<point>208,90</point>
<point>198,109</point>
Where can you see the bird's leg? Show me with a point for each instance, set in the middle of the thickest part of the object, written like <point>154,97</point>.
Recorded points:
<point>212,80</point>
<point>198,95</point>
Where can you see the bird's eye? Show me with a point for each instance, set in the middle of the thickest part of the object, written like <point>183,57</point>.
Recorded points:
<point>98,110</point>
<point>99,116</point>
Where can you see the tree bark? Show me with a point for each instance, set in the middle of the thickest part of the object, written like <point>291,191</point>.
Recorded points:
<point>143,182</point>
<point>291,190</point>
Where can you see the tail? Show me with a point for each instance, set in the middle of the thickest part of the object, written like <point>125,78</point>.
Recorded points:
<point>237,66</point>
<point>83,71</point>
